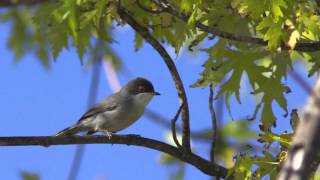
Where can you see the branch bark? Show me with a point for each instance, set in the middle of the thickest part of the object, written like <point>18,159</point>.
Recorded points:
<point>303,157</point>
<point>196,161</point>
<point>172,68</point>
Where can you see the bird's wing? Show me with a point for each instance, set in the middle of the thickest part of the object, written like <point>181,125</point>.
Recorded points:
<point>108,104</point>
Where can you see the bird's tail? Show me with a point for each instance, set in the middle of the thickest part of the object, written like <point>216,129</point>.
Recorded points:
<point>69,131</point>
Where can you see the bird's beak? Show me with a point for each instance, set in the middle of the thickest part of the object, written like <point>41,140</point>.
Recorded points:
<point>156,93</point>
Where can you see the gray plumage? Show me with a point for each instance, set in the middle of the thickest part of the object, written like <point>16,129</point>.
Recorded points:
<point>117,111</point>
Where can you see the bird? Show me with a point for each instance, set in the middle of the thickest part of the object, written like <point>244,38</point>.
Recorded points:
<point>117,111</point>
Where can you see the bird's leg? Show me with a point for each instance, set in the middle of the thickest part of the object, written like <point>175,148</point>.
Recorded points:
<point>107,133</point>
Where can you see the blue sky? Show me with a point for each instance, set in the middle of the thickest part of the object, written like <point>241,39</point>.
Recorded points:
<point>39,102</point>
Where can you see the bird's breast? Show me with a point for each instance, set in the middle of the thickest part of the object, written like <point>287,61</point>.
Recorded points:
<point>127,113</point>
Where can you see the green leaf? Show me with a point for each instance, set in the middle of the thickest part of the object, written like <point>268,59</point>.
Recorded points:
<point>239,130</point>
<point>267,165</point>
<point>138,41</point>
<point>29,176</point>
<point>58,39</point>
<point>186,5</point>
<point>276,8</point>
<point>270,31</point>
<point>83,42</point>
<point>273,90</point>
<point>313,58</point>
<point>168,159</point>
<point>87,17</point>
<point>284,139</point>
<point>281,63</point>
<point>242,167</point>
<point>255,7</point>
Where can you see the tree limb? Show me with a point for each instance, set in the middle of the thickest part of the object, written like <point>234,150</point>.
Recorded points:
<point>303,157</point>
<point>172,68</point>
<point>196,161</point>
<point>240,38</point>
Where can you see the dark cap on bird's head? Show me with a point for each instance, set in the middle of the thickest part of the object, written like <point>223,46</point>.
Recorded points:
<point>140,85</point>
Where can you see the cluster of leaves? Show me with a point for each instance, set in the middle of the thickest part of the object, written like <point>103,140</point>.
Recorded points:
<point>267,164</point>
<point>49,28</point>
<point>276,22</point>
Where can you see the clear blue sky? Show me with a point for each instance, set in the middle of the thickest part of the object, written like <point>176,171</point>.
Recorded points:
<point>36,102</point>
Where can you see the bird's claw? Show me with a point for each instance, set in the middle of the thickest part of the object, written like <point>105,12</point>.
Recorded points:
<point>109,134</point>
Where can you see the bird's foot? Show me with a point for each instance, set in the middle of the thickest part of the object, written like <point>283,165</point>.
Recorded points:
<point>109,134</point>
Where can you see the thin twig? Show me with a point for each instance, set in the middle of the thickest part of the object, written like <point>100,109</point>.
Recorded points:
<point>214,125</point>
<point>172,68</point>
<point>173,127</point>
<point>194,160</point>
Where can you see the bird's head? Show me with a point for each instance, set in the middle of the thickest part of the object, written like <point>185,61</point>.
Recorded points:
<point>141,90</point>
<point>139,86</point>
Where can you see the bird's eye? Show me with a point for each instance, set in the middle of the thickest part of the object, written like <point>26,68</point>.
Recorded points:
<point>141,89</point>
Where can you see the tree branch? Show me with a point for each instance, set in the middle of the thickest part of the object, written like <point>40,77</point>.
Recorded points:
<point>303,157</point>
<point>318,2</point>
<point>172,68</point>
<point>173,127</point>
<point>305,46</point>
<point>198,162</point>
<point>247,39</point>
<point>214,125</point>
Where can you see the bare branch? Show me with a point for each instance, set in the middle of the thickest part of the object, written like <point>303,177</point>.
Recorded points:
<point>172,68</point>
<point>196,161</point>
<point>214,125</point>
<point>303,156</point>
<point>173,127</point>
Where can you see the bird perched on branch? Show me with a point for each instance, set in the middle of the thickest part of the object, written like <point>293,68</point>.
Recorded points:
<point>117,111</point>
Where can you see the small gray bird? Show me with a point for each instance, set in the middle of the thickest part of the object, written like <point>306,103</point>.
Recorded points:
<point>117,111</point>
